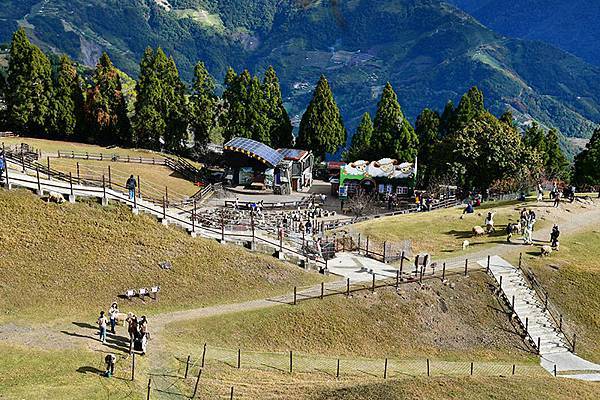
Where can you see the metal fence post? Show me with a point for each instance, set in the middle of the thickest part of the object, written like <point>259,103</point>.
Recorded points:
<point>466,266</point>
<point>322,289</point>
<point>295,300</point>
<point>348,287</point>
<point>337,373</point>
<point>71,183</point>
<point>187,367</point>
<point>48,160</point>
<point>291,362</point>
<point>520,259</point>
<point>373,286</point>
<point>385,369</point>
<point>384,251</point>
<point>78,175</point>
<point>109,178</point>
<point>149,386</point>
<point>444,271</point>
<point>132,366</point>
<point>488,265</point>
<point>239,360</point>
<point>203,355</point>
<point>164,208</point>
<point>231,394</point>
<point>37,174</point>
<point>104,187</point>
<point>428,374</point>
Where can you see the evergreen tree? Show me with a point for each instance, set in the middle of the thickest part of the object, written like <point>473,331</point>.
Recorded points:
<point>161,106</point>
<point>203,106</point>
<point>322,128</point>
<point>3,89</point>
<point>507,118</point>
<point>176,109</point>
<point>105,108</point>
<point>280,126</point>
<point>29,91</point>
<point>555,162</point>
<point>67,115</point>
<point>149,124</point>
<point>471,105</point>
<point>587,163</point>
<point>427,129</point>
<point>360,149</point>
<point>393,136</point>
<point>446,118</point>
<point>535,139</point>
<point>246,114</point>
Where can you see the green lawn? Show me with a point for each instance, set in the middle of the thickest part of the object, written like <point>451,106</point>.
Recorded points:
<point>572,278</point>
<point>437,321</point>
<point>72,260</point>
<point>442,232</point>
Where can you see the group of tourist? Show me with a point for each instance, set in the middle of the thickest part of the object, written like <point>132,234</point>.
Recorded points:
<point>137,328</point>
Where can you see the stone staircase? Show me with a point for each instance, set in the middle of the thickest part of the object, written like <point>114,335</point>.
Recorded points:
<point>541,331</point>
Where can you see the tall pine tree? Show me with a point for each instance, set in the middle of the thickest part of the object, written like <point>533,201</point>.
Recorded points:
<point>360,148</point>
<point>535,138</point>
<point>393,136</point>
<point>322,128</point>
<point>203,106</point>
<point>67,114</point>
<point>587,163</point>
<point>105,107</point>
<point>176,109</point>
<point>427,129</point>
<point>555,162</point>
<point>29,87</point>
<point>280,126</point>
<point>471,106</point>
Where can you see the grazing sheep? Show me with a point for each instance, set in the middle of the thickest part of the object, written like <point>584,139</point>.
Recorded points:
<point>55,198</point>
<point>478,231</point>
<point>546,250</point>
<point>465,244</point>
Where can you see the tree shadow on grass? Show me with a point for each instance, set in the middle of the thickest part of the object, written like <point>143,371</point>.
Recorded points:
<point>85,325</point>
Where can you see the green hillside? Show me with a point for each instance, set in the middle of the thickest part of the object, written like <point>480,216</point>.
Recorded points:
<point>429,50</point>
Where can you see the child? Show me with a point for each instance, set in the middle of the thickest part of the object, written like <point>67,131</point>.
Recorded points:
<point>110,360</point>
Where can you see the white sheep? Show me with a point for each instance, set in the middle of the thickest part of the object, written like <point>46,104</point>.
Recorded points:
<point>478,231</point>
<point>546,250</point>
<point>465,244</point>
<point>55,198</point>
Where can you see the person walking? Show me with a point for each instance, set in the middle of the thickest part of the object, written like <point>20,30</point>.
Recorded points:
<point>112,316</point>
<point>132,329</point>
<point>131,185</point>
<point>143,331</point>
<point>557,196</point>
<point>102,321</point>
<point>540,194</point>
<point>554,235</point>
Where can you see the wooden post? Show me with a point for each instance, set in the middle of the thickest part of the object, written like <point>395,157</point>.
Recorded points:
<point>194,217</point>
<point>500,282</point>
<point>560,323</point>
<point>295,295</point>
<point>203,355</point>
<point>103,187</point>
<point>513,369</point>
<point>164,207</point>
<point>373,286</point>
<point>526,325</point>
<point>512,304</point>
<point>71,183</point>
<point>428,367</point>
<point>109,178</point>
<point>132,366</point>
<point>539,345</point>
<point>149,386</point>
<point>78,175</point>
<point>337,374</point>
<point>239,358</point>
<point>402,263</point>
<point>555,370</point>
<point>322,289</point>
<point>37,174</point>
<point>466,266</point>
<point>348,287</point>
<point>385,369</point>
<point>444,271</point>
<point>197,382</point>
<point>471,368</point>
<point>187,367</point>
<point>231,394</point>
<point>488,265</point>
<point>291,362</point>
<point>48,160</point>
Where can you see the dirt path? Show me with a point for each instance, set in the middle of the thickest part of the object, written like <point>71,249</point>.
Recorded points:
<point>64,335</point>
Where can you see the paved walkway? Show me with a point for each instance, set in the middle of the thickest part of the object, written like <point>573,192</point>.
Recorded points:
<point>554,348</point>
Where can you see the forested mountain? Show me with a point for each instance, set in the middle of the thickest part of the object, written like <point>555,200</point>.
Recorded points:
<point>430,51</point>
<point>570,25</point>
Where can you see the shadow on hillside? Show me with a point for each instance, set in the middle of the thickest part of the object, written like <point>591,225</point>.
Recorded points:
<point>499,232</point>
<point>85,325</point>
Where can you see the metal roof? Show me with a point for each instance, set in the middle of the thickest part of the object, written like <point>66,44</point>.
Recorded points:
<point>254,149</point>
<point>293,154</point>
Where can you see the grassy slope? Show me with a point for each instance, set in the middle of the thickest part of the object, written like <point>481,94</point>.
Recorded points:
<point>54,257</point>
<point>472,388</point>
<point>153,179</point>
<point>575,287</point>
<point>436,321</point>
<point>442,232</point>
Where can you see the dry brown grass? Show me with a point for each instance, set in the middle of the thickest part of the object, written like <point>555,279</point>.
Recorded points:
<point>463,323</point>
<point>72,260</point>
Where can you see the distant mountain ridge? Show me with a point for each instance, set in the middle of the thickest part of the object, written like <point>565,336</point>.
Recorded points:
<point>429,50</point>
<point>573,26</point>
